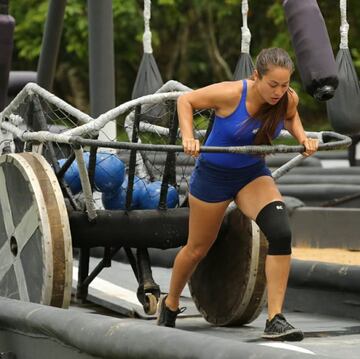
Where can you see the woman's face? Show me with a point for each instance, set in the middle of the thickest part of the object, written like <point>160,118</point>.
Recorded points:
<point>274,84</point>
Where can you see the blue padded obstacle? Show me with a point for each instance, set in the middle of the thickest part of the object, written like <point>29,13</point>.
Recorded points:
<point>114,200</point>
<point>71,176</point>
<point>117,199</point>
<point>109,173</point>
<point>139,190</point>
<point>152,196</point>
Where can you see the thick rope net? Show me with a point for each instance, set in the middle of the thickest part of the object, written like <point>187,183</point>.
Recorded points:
<point>148,145</point>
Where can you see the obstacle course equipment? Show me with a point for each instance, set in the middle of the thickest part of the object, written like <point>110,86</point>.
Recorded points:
<point>109,174</point>
<point>245,66</point>
<point>151,196</point>
<point>315,59</point>
<point>114,200</point>
<point>138,229</point>
<point>71,176</point>
<point>148,79</point>
<point>232,292</point>
<point>117,199</point>
<point>343,110</point>
<point>36,250</point>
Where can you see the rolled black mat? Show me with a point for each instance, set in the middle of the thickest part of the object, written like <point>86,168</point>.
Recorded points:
<point>322,275</point>
<point>111,338</point>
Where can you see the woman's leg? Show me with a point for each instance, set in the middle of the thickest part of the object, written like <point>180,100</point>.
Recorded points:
<point>204,224</point>
<point>251,199</point>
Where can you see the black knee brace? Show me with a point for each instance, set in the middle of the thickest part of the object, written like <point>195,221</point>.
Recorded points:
<point>273,221</point>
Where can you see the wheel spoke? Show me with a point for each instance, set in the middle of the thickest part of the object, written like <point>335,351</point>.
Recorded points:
<point>21,281</point>
<point>27,226</point>
<point>6,259</point>
<point>5,205</point>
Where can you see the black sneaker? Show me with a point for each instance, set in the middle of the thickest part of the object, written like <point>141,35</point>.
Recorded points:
<point>167,316</point>
<point>278,328</point>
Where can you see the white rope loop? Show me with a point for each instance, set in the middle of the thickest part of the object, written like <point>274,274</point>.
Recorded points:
<point>344,28</point>
<point>147,32</point>
<point>245,32</point>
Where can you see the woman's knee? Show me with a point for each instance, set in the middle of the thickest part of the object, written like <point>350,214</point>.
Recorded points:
<point>274,222</point>
<point>195,254</point>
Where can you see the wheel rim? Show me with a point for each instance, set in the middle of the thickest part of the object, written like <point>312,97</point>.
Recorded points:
<point>35,241</point>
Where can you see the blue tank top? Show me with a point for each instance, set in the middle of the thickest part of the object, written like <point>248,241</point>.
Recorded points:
<point>237,129</point>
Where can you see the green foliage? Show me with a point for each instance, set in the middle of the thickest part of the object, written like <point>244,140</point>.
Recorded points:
<point>75,31</point>
<point>29,27</point>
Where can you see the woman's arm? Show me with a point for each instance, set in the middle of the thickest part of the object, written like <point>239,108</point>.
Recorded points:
<point>294,126</point>
<point>217,96</point>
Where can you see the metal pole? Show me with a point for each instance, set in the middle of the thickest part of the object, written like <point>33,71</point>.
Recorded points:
<point>51,43</point>
<point>102,69</point>
<point>7,25</point>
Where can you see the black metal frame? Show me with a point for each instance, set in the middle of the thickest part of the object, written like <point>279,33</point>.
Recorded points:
<point>140,263</point>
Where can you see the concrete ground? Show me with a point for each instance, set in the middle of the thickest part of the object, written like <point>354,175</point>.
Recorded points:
<point>328,336</point>
<point>325,335</point>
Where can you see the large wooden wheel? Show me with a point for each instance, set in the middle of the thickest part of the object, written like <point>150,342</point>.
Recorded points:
<point>228,286</point>
<point>35,239</point>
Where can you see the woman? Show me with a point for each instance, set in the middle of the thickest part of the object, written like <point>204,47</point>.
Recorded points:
<point>247,112</point>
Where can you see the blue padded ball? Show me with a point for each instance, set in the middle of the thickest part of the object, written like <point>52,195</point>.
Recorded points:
<point>114,200</point>
<point>139,189</point>
<point>151,198</point>
<point>109,172</point>
<point>71,176</point>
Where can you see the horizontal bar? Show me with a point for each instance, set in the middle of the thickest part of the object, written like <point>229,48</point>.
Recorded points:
<point>342,141</point>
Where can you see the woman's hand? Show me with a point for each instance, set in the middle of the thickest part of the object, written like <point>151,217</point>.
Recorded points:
<point>311,146</point>
<point>191,146</point>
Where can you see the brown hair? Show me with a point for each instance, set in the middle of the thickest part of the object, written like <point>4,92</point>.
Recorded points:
<point>271,115</point>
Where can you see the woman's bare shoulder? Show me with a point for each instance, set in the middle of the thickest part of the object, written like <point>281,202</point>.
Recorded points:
<point>231,92</point>
<point>218,96</point>
<point>229,89</point>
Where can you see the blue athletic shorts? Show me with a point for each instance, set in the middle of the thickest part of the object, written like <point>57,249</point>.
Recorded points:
<point>212,183</point>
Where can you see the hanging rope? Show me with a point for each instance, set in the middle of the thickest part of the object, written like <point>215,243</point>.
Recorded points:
<point>245,32</point>
<point>147,32</point>
<point>344,28</point>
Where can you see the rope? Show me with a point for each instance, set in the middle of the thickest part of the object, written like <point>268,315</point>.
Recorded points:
<point>85,184</point>
<point>147,32</point>
<point>344,28</point>
<point>245,32</point>
<point>103,119</point>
